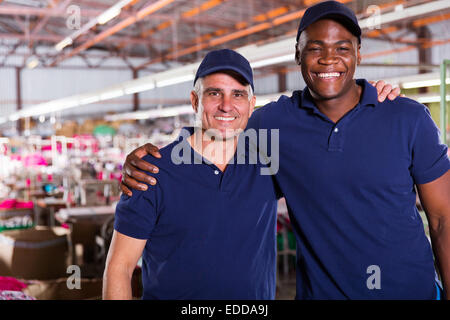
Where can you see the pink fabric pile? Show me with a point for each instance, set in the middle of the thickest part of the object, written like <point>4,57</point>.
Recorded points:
<point>16,204</point>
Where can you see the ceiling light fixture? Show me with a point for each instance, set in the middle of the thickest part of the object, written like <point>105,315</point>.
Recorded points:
<point>67,41</point>
<point>152,113</point>
<point>139,88</point>
<point>423,83</point>
<point>108,15</point>
<point>111,94</point>
<point>176,80</point>
<point>408,12</point>
<point>89,100</point>
<point>33,63</point>
<point>103,18</point>
<point>431,99</point>
<point>272,61</point>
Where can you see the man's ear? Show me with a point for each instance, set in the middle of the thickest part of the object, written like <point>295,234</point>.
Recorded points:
<point>194,101</point>
<point>297,54</point>
<point>358,55</point>
<point>252,105</point>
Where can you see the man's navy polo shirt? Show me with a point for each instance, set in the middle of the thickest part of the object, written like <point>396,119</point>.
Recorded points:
<point>349,188</point>
<point>211,234</point>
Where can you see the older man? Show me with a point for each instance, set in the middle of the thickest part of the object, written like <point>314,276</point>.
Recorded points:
<point>207,231</point>
<point>349,165</point>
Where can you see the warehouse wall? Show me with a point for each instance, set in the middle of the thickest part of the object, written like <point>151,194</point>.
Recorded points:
<point>7,90</point>
<point>49,84</point>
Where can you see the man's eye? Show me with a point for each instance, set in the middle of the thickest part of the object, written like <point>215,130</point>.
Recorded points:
<point>343,49</point>
<point>314,49</point>
<point>213,93</point>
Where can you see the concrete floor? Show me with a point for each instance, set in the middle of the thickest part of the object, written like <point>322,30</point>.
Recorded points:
<point>286,288</point>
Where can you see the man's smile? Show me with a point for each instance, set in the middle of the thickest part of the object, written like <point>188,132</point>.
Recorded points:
<point>328,75</point>
<point>226,119</point>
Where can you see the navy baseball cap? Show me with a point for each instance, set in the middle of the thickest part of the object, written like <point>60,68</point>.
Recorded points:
<point>332,10</point>
<point>225,59</point>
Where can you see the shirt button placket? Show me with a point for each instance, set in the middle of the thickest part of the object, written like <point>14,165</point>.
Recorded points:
<point>219,176</point>
<point>335,142</point>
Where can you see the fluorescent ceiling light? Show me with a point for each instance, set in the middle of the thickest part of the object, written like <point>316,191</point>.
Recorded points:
<point>423,83</point>
<point>139,88</point>
<point>406,13</point>
<point>33,63</point>
<point>111,94</point>
<point>65,104</point>
<point>172,81</point>
<point>152,113</point>
<point>89,100</point>
<point>165,112</point>
<point>431,99</point>
<point>271,61</point>
<point>44,108</point>
<point>108,15</point>
<point>112,12</point>
<point>63,43</point>
<point>265,99</point>
<point>14,117</point>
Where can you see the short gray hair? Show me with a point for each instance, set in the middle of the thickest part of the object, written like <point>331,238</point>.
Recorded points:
<point>198,89</point>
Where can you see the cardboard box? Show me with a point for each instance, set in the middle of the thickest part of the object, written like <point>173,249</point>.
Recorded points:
<point>90,289</point>
<point>58,290</point>
<point>68,129</point>
<point>36,253</point>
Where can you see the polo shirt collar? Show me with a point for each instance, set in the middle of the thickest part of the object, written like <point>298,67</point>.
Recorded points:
<point>182,138</point>
<point>369,96</point>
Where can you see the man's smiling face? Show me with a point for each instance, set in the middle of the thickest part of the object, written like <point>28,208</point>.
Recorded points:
<point>328,54</point>
<point>225,104</point>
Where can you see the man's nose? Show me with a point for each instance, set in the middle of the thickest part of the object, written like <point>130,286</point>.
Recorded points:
<point>328,57</point>
<point>226,104</point>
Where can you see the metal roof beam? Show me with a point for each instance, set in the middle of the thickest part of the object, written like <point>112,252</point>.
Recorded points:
<point>116,28</point>
<point>44,20</point>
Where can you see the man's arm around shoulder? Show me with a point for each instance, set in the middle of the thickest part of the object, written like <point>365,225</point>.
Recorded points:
<point>123,256</point>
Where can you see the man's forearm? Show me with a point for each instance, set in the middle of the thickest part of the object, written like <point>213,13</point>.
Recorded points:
<point>440,237</point>
<point>116,285</point>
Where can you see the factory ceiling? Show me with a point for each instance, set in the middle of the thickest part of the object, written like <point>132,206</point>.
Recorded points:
<point>163,32</point>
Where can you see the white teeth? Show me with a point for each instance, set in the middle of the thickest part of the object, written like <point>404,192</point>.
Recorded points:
<point>329,75</point>
<point>225,118</point>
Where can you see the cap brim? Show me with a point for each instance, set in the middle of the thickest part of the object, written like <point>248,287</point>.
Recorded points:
<point>209,71</point>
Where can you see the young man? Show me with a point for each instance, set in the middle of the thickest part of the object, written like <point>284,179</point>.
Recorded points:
<point>349,166</point>
<point>207,231</point>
